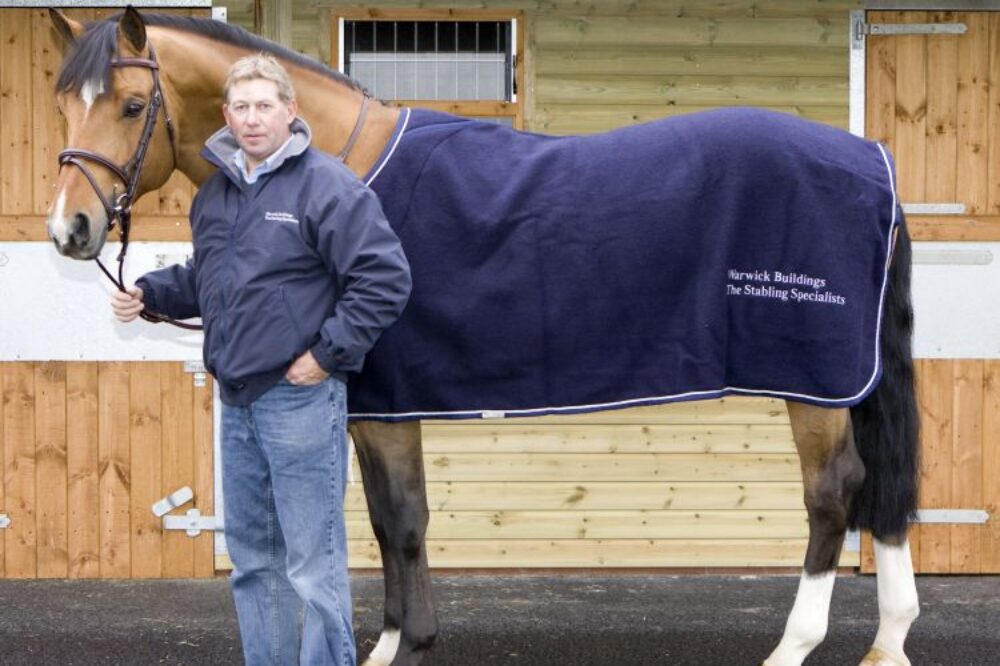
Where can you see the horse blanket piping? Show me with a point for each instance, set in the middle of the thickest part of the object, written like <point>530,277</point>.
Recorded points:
<point>732,251</point>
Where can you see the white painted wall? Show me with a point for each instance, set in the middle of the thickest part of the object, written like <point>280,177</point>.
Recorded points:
<point>53,308</point>
<point>956,300</point>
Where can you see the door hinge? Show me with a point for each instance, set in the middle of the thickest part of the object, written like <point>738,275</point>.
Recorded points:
<point>191,522</point>
<point>196,368</point>
<point>951,516</point>
<point>859,29</point>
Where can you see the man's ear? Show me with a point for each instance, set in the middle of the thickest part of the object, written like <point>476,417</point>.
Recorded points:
<point>132,31</point>
<point>69,30</point>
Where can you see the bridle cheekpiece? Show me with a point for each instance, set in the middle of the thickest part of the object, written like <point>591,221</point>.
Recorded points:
<point>119,208</point>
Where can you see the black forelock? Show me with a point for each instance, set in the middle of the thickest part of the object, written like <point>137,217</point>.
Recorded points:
<point>90,60</point>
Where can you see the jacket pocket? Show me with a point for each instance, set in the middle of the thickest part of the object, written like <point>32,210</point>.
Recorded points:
<point>290,313</point>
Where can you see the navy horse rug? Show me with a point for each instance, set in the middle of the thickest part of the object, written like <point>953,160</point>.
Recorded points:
<point>732,251</point>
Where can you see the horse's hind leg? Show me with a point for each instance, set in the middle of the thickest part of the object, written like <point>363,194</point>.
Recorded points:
<point>832,473</point>
<point>391,461</point>
<point>897,602</point>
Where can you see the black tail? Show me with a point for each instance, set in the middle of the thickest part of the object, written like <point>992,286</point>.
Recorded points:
<point>886,425</point>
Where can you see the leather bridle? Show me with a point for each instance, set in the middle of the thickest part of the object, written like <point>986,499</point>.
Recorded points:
<point>119,208</point>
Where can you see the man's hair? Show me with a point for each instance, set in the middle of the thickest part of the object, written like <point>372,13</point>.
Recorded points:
<point>260,66</point>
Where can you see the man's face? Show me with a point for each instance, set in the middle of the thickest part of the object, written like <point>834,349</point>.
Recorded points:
<point>258,118</point>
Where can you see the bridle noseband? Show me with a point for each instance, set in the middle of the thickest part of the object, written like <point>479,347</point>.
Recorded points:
<point>119,208</point>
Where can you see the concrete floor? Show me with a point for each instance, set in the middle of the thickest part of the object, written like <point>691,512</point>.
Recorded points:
<point>574,619</point>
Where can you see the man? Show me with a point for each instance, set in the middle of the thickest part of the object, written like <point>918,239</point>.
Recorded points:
<point>295,275</point>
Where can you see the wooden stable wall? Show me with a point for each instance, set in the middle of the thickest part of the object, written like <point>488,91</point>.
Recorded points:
<point>87,448</point>
<point>602,64</point>
<point>706,484</point>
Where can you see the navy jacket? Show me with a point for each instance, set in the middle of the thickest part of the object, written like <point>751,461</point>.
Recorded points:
<point>303,259</point>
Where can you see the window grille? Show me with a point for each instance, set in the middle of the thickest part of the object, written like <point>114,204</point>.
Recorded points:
<point>432,60</point>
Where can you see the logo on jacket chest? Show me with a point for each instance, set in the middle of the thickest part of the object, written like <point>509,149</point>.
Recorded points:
<point>278,216</point>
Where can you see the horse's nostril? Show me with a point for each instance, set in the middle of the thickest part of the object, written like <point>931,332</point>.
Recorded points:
<point>80,230</point>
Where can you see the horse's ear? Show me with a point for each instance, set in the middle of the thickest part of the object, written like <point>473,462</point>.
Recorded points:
<point>68,29</point>
<point>132,30</point>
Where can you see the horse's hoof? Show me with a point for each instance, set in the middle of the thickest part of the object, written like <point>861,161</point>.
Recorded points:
<point>877,657</point>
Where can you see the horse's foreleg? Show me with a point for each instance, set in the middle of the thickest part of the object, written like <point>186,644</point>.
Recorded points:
<point>897,602</point>
<point>392,465</point>
<point>832,473</point>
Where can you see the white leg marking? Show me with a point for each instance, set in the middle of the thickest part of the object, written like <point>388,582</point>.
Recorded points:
<point>898,605</point>
<point>807,622</point>
<point>57,220</point>
<point>385,651</point>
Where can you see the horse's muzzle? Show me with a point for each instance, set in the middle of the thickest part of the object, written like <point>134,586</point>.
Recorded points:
<point>74,237</point>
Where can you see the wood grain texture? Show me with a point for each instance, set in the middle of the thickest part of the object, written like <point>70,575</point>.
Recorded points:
<point>114,469</point>
<point>967,464</point>
<point>19,470</point>
<point>936,400</point>
<point>177,427</point>
<point>204,472</point>
<point>51,470</point>
<point>146,440</point>
<point>82,453</point>
<point>16,113</point>
<point>991,467</point>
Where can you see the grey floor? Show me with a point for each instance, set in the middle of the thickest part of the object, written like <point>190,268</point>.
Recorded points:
<point>510,619</point>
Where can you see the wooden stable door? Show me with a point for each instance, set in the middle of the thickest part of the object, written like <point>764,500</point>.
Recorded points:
<point>86,449</point>
<point>935,100</point>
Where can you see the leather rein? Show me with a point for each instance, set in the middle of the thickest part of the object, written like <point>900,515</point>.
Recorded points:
<point>119,208</point>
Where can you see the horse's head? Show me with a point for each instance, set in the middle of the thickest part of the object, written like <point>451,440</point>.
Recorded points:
<point>118,141</point>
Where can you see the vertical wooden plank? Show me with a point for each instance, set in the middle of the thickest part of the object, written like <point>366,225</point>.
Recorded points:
<point>16,109</point>
<point>178,461</point>
<point>942,113</point>
<point>19,469</point>
<point>973,112</point>
<point>911,109</point>
<point>47,126</point>
<point>83,491</point>
<point>204,470</point>
<point>50,468</point>
<point>880,94</point>
<point>991,466</point>
<point>967,463</point>
<point>114,454</point>
<point>147,469</point>
<point>936,400</point>
<point>993,126</point>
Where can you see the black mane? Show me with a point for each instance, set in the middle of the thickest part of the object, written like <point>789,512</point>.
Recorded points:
<point>90,61</point>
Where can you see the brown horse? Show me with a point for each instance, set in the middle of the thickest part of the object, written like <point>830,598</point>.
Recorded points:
<point>858,463</point>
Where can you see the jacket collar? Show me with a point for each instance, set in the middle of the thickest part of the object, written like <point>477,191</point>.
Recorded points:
<point>221,147</point>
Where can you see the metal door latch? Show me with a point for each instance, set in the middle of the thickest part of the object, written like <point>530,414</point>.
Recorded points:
<point>192,522</point>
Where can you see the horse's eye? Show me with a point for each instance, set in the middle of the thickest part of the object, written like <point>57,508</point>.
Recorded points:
<point>133,108</point>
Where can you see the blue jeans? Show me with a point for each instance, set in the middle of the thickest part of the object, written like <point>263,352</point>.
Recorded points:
<point>284,472</point>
